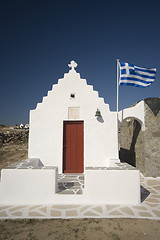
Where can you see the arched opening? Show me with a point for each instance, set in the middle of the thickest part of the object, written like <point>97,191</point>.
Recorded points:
<point>129,140</point>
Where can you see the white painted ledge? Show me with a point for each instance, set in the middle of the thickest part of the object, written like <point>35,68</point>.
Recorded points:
<point>113,186</point>
<point>22,183</point>
<point>28,185</point>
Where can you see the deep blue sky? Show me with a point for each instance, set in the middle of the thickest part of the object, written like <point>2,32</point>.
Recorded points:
<point>39,38</point>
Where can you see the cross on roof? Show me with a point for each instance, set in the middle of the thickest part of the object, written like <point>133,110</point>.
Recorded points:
<point>73,65</point>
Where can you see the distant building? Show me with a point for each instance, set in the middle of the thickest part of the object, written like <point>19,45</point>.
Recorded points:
<point>21,125</point>
<point>24,125</point>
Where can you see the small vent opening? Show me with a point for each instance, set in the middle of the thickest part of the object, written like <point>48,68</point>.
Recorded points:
<point>72,95</point>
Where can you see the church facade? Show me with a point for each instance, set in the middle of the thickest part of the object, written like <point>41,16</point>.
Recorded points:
<point>73,128</point>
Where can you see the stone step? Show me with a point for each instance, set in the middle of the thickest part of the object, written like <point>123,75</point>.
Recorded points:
<point>70,183</point>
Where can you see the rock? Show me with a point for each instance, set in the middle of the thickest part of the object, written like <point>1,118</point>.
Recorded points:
<point>142,148</point>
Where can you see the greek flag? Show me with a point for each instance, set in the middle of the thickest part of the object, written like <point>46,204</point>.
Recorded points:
<point>136,76</point>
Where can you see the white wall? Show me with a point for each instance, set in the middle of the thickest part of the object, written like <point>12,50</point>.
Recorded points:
<point>46,124</point>
<point>28,186</point>
<point>40,185</point>
<point>112,186</point>
<point>137,112</point>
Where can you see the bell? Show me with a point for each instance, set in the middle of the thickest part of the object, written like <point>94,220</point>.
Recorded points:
<point>98,113</point>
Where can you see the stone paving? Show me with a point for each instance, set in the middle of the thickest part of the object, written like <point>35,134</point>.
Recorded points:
<point>73,184</point>
<point>70,183</point>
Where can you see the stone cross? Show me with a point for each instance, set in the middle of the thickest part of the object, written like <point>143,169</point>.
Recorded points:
<point>73,65</point>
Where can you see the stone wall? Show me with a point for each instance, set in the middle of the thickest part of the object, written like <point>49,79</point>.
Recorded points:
<point>142,148</point>
<point>9,134</point>
<point>152,137</point>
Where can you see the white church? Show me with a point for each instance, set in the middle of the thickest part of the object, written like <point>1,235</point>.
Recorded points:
<point>72,131</point>
<point>64,130</point>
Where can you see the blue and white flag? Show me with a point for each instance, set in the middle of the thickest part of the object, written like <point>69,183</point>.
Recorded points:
<point>136,76</point>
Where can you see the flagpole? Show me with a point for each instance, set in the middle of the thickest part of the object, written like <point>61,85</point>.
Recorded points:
<point>117,106</point>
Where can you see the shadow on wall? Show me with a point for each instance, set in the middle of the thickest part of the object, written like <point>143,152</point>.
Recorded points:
<point>144,193</point>
<point>153,104</point>
<point>129,156</point>
<point>100,119</point>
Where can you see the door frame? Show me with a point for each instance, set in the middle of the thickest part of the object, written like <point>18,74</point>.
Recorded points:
<point>63,154</point>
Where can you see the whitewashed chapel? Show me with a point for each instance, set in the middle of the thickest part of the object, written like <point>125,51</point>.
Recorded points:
<point>73,131</point>
<point>64,130</point>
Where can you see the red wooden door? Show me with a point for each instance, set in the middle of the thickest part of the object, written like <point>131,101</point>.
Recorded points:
<point>73,147</point>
